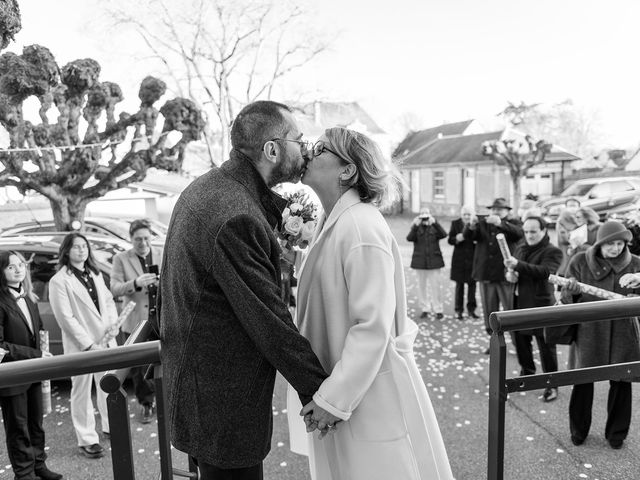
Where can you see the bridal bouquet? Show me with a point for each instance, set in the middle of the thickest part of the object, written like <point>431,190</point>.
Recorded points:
<point>298,221</point>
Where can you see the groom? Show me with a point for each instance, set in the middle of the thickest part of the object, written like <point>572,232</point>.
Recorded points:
<point>225,329</point>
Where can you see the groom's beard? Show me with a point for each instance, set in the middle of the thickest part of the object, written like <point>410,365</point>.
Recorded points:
<point>288,169</point>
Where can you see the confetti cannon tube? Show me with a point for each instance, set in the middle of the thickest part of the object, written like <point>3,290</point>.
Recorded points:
<point>510,275</point>
<point>112,331</point>
<point>46,384</point>
<point>586,288</point>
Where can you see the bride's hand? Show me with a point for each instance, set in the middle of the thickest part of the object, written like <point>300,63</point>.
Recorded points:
<point>318,418</point>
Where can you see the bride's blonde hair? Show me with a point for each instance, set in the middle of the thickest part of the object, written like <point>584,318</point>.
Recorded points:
<point>376,179</point>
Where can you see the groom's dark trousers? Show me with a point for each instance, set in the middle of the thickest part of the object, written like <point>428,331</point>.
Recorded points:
<point>211,472</point>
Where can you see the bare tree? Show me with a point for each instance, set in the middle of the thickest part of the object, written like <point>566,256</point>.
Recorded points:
<point>52,158</point>
<point>223,53</point>
<point>519,156</point>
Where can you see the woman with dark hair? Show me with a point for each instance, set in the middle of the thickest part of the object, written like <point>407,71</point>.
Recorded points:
<point>20,327</point>
<point>84,309</point>
<point>607,342</point>
<point>352,308</point>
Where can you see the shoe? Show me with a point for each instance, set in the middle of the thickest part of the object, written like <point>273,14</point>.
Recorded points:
<point>616,444</point>
<point>147,414</point>
<point>92,451</point>
<point>439,316</point>
<point>459,315</point>
<point>487,351</point>
<point>424,315</point>
<point>549,394</point>
<point>45,474</point>
<point>473,315</point>
<point>577,440</point>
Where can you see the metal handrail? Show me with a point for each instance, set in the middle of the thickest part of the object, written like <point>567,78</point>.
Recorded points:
<point>531,318</point>
<point>68,365</point>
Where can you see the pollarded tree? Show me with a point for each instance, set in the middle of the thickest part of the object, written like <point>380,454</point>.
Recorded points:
<point>52,158</point>
<point>10,23</point>
<point>519,156</point>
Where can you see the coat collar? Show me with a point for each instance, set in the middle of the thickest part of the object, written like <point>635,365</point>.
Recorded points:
<point>81,291</point>
<point>241,168</point>
<point>13,305</point>
<point>601,267</point>
<point>325,224</point>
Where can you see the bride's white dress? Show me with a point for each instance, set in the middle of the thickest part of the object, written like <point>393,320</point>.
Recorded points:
<point>352,308</point>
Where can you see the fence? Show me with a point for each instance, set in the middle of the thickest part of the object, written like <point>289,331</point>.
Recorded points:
<point>525,319</point>
<point>135,352</point>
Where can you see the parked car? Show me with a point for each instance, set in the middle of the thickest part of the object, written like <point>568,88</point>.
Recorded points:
<point>114,227</point>
<point>601,194</point>
<point>41,252</point>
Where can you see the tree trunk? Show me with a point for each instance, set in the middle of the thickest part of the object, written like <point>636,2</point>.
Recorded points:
<point>66,211</point>
<point>515,200</point>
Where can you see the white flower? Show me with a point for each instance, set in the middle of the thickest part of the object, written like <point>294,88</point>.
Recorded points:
<point>307,230</point>
<point>295,207</point>
<point>293,225</point>
<point>285,214</point>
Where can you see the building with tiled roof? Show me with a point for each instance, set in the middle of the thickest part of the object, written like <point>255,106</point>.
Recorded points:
<point>445,169</point>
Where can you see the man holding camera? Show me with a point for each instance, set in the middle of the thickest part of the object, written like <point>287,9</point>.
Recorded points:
<point>427,261</point>
<point>488,269</point>
<point>134,276</point>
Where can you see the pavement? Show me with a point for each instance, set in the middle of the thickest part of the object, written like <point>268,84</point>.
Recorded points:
<point>456,372</point>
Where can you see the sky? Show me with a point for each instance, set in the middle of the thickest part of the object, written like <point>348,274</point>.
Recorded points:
<point>438,60</point>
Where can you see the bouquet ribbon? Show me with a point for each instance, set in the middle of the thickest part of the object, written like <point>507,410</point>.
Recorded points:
<point>586,288</point>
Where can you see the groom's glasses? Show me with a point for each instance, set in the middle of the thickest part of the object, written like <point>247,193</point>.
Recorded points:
<point>305,146</point>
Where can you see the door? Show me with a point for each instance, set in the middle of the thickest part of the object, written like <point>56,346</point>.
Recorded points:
<point>469,187</point>
<point>415,191</point>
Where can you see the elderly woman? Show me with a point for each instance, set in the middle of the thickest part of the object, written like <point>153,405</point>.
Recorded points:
<point>603,265</point>
<point>462,263</point>
<point>352,308</point>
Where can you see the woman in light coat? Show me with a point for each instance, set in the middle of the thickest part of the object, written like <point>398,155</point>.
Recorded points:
<point>352,308</point>
<point>84,309</point>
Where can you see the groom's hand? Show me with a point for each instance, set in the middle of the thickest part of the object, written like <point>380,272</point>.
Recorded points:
<point>318,418</point>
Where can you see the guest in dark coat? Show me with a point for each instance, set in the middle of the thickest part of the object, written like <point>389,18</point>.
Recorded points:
<point>427,261</point>
<point>488,268</point>
<point>462,263</point>
<point>605,265</point>
<point>533,261</point>
<point>20,327</point>
<point>225,329</point>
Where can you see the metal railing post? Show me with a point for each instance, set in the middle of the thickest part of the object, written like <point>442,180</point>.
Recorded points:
<point>120,429</point>
<point>497,399</point>
<point>164,442</point>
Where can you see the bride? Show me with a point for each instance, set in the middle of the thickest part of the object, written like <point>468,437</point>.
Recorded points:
<point>374,414</point>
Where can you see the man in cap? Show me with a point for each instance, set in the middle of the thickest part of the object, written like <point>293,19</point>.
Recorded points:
<point>488,269</point>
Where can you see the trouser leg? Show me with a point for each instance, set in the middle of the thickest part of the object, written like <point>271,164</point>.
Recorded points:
<point>82,416</point>
<point>144,389</point>
<point>36,432</point>
<point>580,405</point>
<point>548,354</point>
<point>422,289</point>
<point>618,411</point>
<point>434,289</point>
<point>101,400</point>
<point>15,416</point>
<point>524,352</point>
<point>211,472</point>
<point>459,297</point>
<point>471,296</point>
<point>490,302</point>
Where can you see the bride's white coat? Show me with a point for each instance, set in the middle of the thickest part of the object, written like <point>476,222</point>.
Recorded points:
<point>352,308</point>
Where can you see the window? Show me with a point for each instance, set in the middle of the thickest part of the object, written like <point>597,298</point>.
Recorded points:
<point>438,184</point>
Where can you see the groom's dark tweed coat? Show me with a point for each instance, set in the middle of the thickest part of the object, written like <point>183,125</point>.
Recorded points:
<point>224,327</point>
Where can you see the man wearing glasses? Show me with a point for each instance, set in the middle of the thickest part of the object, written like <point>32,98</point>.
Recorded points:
<point>224,327</point>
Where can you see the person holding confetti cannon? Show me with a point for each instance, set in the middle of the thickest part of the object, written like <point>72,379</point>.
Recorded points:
<point>608,265</point>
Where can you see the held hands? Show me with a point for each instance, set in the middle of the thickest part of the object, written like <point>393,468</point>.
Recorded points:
<point>459,237</point>
<point>318,418</point>
<point>630,280</point>
<point>146,279</point>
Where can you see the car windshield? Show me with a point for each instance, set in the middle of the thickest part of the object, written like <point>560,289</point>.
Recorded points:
<point>578,190</point>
